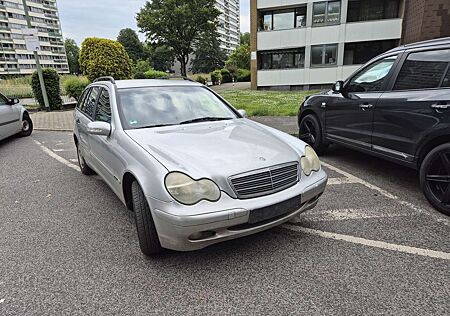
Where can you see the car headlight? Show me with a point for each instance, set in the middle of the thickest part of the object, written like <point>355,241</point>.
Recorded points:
<point>188,191</point>
<point>310,161</point>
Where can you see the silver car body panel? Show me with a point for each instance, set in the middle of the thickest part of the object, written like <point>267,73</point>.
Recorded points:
<point>10,119</point>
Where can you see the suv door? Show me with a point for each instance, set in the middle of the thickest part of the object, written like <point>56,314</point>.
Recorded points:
<point>9,118</point>
<point>349,114</point>
<point>417,103</point>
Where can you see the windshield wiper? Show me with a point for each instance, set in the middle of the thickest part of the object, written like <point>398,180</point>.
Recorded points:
<point>206,119</point>
<point>152,126</point>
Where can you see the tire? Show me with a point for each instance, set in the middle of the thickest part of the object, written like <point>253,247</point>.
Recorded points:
<point>147,234</point>
<point>311,133</point>
<point>27,126</point>
<point>85,169</point>
<point>435,178</point>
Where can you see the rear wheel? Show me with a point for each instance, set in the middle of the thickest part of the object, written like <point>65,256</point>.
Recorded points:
<point>311,133</point>
<point>148,237</point>
<point>27,126</point>
<point>82,163</point>
<point>435,178</point>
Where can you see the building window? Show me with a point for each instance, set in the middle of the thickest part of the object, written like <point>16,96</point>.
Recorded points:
<point>326,13</point>
<point>324,55</point>
<point>282,19</point>
<point>282,59</point>
<point>367,10</point>
<point>424,70</point>
<point>361,52</point>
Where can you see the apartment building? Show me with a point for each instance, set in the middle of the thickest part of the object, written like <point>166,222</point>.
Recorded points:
<point>14,57</point>
<point>229,24</point>
<point>312,43</point>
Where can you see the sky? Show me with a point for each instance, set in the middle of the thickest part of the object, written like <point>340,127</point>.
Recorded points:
<point>105,18</point>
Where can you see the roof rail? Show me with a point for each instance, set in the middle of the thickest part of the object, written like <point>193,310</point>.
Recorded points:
<point>110,79</point>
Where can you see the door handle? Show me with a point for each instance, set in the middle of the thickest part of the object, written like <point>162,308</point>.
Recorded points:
<point>440,106</point>
<point>365,106</point>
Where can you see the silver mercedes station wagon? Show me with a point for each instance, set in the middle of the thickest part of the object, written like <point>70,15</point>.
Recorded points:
<point>194,170</point>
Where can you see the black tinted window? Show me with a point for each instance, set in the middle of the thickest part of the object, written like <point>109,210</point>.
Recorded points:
<point>89,105</point>
<point>103,112</point>
<point>446,82</point>
<point>82,100</point>
<point>423,70</point>
<point>3,100</point>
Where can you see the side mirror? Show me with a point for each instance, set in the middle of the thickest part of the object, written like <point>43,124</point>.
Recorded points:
<point>13,101</point>
<point>338,86</point>
<point>99,128</point>
<point>243,113</point>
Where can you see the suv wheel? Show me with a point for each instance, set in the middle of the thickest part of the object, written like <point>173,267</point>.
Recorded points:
<point>82,163</point>
<point>435,178</point>
<point>311,133</point>
<point>27,126</point>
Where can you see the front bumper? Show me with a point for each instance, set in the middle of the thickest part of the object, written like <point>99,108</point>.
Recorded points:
<point>232,220</point>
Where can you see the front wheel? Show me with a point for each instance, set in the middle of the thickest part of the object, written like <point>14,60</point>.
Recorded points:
<point>27,126</point>
<point>435,178</point>
<point>311,133</point>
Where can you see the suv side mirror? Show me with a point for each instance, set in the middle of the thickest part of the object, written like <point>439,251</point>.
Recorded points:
<point>243,113</point>
<point>338,86</point>
<point>99,128</point>
<point>13,101</point>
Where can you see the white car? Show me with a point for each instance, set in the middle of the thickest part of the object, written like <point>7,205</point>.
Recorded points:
<point>14,118</point>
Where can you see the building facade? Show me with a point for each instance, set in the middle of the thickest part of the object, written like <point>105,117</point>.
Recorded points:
<point>229,24</point>
<point>15,59</point>
<point>310,44</point>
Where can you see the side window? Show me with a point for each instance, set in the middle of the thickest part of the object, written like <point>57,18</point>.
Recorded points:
<point>89,105</point>
<point>82,99</point>
<point>373,77</point>
<point>446,81</point>
<point>424,70</point>
<point>103,112</point>
<point>3,100</point>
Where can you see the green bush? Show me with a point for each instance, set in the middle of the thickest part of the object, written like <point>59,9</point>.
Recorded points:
<point>51,81</point>
<point>244,75</point>
<point>140,75</point>
<point>226,76</point>
<point>102,57</point>
<point>142,66</point>
<point>216,77</point>
<point>155,74</point>
<point>75,86</point>
<point>201,80</point>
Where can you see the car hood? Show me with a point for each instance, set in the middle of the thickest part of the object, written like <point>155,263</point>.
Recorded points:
<point>216,149</point>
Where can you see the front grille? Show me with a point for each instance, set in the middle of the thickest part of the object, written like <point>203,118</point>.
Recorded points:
<point>265,181</point>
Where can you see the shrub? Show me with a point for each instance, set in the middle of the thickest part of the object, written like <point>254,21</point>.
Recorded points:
<point>140,75</point>
<point>244,75</point>
<point>102,57</point>
<point>51,81</point>
<point>142,66</point>
<point>201,79</point>
<point>155,74</point>
<point>75,86</point>
<point>216,77</point>
<point>226,75</point>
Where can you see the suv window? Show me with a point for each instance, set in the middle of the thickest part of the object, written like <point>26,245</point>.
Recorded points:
<point>3,100</point>
<point>103,111</point>
<point>446,81</point>
<point>424,70</point>
<point>82,99</point>
<point>373,77</point>
<point>89,105</point>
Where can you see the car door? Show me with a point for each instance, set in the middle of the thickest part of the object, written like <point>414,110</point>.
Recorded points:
<point>417,103</point>
<point>349,114</point>
<point>106,160</point>
<point>9,118</point>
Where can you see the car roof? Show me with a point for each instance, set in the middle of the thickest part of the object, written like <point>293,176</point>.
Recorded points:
<point>444,41</point>
<point>141,83</point>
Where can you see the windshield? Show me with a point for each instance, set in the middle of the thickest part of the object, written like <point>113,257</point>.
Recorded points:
<point>163,106</point>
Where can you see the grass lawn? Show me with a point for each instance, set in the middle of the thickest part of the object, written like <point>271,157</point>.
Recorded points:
<point>266,103</point>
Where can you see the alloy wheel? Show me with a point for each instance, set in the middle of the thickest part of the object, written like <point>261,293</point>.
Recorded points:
<point>438,177</point>
<point>308,132</point>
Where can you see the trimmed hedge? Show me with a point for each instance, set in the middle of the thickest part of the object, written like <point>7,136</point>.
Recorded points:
<point>75,86</point>
<point>201,80</point>
<point>155,74</point>
<point>216,77</point>
<point>244,75</point>
<point>51,81</point>
<point>103,57</point>
<point>226,75</point>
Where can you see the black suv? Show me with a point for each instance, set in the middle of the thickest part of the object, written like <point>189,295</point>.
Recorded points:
<point>396,107</point>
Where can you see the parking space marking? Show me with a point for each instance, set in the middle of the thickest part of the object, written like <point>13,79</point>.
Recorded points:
<point>383,192</point>
<point>347,214</point>
<point>336,181</point>
<point>371,243</point>
<point>57,157</point>
<point>61,150</point>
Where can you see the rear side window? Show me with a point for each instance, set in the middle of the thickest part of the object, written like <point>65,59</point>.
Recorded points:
<point>89,105</point>
<point>424,70</point>
<point>103,111</point>
<point>82,99</point>
<point>3,100</point>
<point>446,81</point>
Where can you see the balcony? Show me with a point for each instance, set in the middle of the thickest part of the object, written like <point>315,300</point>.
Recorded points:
<point>281,39</point>
<point>373,30</point>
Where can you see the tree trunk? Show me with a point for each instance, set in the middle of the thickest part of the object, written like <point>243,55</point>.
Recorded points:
<point>183,67</point>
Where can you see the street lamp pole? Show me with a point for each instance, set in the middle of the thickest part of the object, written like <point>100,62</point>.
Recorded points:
<point>38,64</point>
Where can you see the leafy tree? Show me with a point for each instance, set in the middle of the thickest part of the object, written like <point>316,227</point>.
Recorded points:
<point>73,54</point>
<point>51,81</point>
<point>161,57</point>
<point>102,57</point>
<point>178,24</point>
<point>142,66</point>
<point>245,38</point>
<point>240,58</point>
<point>130,40</point>
<point>208,54</point>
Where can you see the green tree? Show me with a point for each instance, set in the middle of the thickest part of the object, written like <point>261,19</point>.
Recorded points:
<point>240,58</point>
<point>51,81</point>
<point>245,38</point>
<point>73,54</point>
<point>161,57</point>
<point>208,54</point>
<point>178,24</point>
<point>130,40</point>
<point>102,57</point>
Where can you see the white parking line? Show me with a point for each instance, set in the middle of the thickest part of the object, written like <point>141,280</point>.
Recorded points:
<point>347,214</point>
<point>57,157</point>
<point>62,150</point>
<point>336,181</point>
<point>371,243</point>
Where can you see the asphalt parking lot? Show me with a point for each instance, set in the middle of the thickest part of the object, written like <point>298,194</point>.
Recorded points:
<point>68,246</point>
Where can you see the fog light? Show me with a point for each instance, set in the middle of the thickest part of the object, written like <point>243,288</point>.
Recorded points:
<point>202,235</point>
